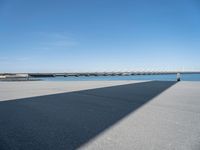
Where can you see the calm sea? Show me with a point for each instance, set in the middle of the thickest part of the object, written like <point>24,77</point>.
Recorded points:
<point>171,77</point>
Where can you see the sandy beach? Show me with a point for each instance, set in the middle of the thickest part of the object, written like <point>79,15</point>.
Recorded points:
<point>92,115</point>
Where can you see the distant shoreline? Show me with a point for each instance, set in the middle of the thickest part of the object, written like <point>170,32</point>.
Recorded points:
<point>161,77</point>
<point>19,79</point>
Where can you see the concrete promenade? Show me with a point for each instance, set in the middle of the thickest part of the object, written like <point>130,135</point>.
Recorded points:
<point>102,115</point>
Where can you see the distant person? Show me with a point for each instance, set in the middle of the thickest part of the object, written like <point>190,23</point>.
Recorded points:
<point>178,77</point>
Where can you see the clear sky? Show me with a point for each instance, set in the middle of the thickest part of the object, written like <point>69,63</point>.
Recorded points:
<point>99,35</point>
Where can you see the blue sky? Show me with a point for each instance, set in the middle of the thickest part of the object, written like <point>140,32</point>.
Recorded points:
<point>99,35</point>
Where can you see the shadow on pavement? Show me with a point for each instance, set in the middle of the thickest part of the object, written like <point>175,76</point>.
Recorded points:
<point>68,120</point>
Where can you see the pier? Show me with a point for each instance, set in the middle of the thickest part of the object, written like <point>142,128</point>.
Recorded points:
<point>110,115</point>
<point>88,74</point>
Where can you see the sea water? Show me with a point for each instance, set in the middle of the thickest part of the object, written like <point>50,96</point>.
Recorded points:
<point>168,77</point>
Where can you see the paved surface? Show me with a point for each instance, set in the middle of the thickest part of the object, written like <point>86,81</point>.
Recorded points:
<point>100,115</point>
<point>16,90</point>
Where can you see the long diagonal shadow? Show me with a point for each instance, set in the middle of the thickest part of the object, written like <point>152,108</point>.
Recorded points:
<point>69,120</point>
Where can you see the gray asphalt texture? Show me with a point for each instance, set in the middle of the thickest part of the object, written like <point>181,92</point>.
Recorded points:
<point>149,115</point>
